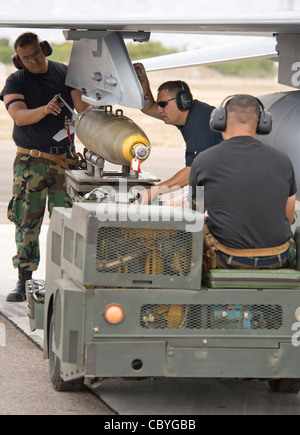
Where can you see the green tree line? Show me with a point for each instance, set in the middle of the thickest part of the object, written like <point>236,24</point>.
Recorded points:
<point>61,53</point>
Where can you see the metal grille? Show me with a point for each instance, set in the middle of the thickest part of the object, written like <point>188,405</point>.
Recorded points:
<point>196,316</point>
<point>144,251</point>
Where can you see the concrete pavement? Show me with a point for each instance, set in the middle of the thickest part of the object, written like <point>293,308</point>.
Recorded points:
<point>17,312</point>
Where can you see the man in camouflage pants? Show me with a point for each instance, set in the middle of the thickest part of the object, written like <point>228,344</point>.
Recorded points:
<point>35,179</point>
<point>31,96</point>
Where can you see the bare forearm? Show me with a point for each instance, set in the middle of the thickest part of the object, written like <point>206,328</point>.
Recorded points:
<point>20,113</point>
<point>79,105</point>
<point>29,116</point>
<point>151,106</point>
<point>179,180</point>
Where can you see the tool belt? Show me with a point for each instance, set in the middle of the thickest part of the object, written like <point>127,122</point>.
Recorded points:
<point>62,161</point>
<point>211,244</point>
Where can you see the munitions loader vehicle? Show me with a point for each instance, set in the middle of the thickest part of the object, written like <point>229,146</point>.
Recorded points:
<point>125,295</point>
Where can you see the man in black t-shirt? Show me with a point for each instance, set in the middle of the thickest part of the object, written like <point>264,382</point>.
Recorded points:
<point>31,96</point>
<point>249,192</point>
<point>176,106</point>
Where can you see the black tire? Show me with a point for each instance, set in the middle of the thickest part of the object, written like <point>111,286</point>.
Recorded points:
<point>54,369</point>
<point>285,385</point>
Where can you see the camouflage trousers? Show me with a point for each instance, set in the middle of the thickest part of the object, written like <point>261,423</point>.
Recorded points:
<point>35,181</point>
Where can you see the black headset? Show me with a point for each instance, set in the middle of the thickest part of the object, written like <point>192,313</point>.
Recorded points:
<point>218,117</point>
<point>47,50</point>
<point>184,98</point>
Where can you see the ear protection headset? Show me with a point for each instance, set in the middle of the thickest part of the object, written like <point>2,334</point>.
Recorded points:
<point>45,46</point>
<point>218,117</point>
<point>184,98</point>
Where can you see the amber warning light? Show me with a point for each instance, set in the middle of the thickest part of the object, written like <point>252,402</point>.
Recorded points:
<point>114,314</point>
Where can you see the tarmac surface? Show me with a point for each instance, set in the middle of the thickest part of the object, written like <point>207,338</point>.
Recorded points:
<point>24,381</point>
<point>25,388</point>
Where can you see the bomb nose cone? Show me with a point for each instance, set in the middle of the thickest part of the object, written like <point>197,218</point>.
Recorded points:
<point>141,151</point>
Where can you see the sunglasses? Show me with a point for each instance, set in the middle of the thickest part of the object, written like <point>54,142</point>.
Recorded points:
<point>34,55</point>
<point>163,104</point>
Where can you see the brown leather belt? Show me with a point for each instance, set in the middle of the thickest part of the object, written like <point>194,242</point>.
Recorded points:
<point>62,161</point>
<point>214,244</point>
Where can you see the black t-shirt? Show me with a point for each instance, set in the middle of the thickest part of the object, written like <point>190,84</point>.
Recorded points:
<point>38,90</point>
<point>196,132</point>
<point>246,188</point>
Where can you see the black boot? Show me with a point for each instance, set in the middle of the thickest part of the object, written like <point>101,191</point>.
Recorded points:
<point>19,293</point>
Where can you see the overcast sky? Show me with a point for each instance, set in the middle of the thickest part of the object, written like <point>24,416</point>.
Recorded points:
<point>129,8</point>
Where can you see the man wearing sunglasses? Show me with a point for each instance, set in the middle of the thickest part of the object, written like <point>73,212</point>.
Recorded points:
<point>31,96</point>
<point>175,106</point>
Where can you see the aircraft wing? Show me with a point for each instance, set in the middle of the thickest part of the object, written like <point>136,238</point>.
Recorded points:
<point>253,48</point>
<point>106,72</point>
<point>262,24</point>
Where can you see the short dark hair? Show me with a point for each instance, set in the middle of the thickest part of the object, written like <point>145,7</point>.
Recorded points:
<point>174,86</point>
<point>244,106</point>
<point>26,39</point>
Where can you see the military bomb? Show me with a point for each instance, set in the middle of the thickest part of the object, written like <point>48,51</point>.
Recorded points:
<point>114,137</point>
